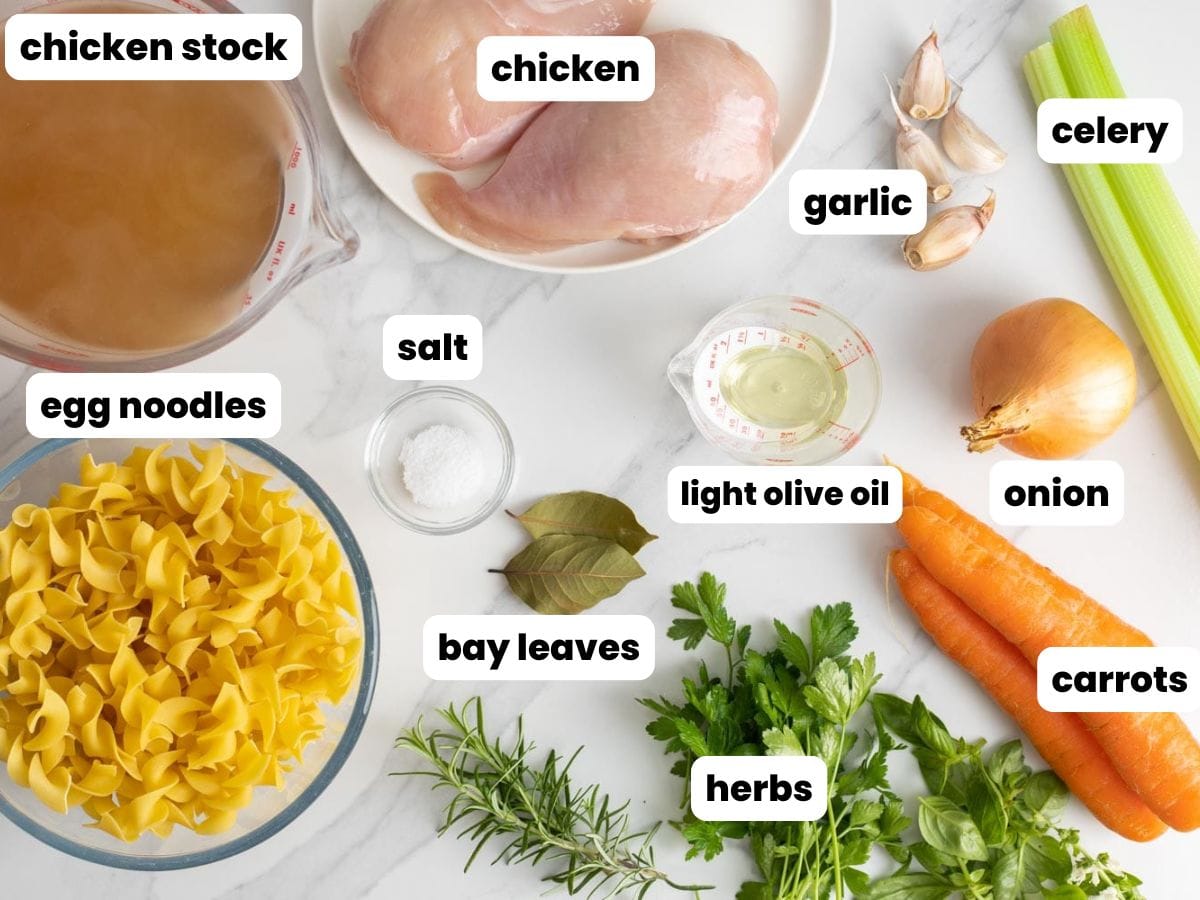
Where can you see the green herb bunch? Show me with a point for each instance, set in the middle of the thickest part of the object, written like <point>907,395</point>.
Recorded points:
<point>534,810</point>
<point>989,828</point>
<point>799,698</point>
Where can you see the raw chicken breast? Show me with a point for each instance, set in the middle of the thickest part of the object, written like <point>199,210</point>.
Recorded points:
<point>412,66</point>
<point>672,166</point>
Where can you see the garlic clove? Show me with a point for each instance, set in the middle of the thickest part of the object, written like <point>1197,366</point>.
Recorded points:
<point>949,236</point>
<point>925,88</point>
<point>967,145</point>
<point>917,150</point>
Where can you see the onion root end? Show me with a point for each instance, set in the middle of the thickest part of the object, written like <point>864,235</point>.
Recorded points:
<point>998,425</point>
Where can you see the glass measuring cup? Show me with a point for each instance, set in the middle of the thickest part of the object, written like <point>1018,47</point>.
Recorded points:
<point>772,323</point>
<point>310,235</point>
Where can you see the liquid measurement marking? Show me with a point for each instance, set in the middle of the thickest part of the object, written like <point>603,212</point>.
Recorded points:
<point>847,437</point>
<point>712,370</point>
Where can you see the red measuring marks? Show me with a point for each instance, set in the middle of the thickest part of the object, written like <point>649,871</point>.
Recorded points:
<point>805,307</point>
<point>847,437</point>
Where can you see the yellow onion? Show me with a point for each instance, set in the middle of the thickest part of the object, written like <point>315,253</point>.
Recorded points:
<point>1050,381</point>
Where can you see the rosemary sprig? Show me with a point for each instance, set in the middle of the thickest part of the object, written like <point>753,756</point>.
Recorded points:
<point>535,810</point>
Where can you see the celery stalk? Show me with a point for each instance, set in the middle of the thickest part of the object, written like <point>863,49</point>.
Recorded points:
<point>1159,223</point>
<point>1136,279</point>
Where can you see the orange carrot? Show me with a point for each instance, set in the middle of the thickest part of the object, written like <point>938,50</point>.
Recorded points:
<point>1001,670</point>
<point>1027,603</point>
<point>911,485</point>
<point>916,494</point>
<point>1034,609</point>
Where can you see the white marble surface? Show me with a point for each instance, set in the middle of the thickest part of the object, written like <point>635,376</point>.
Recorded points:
<point>576,367</point>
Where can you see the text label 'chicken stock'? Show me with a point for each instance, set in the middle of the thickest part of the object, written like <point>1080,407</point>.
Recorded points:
<point>153,47</point>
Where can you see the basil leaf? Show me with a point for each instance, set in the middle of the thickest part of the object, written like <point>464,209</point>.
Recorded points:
<point>1046,860</point>
<point>1008,875</point>
<point>935,769</point>
<point>1046,793</point>
<point>568,573</point>
<point>932,860</point>
<point>987,809</point>
<point>1065,892</point>
<point>1007,759</point>
<point>909,886</point>
<point>947,828</point>
<point>586,513</point>
<point>896,714</point>
<point>933,733</point>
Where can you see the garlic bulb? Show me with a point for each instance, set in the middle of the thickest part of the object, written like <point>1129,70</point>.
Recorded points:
<point>967,145</point>
<point>917,150</point>
<point>925,88</point>
<point>949,236</point>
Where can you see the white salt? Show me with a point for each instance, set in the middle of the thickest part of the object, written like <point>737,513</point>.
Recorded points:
<point>442,466</point>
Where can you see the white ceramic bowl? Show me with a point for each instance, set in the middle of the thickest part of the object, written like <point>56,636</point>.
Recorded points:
<point>792,39</point>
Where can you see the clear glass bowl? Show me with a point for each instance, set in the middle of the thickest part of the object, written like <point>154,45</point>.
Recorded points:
<point>311,237</point>
<point>33,478</point>
<point>695,373</point>
<point>416,411</point>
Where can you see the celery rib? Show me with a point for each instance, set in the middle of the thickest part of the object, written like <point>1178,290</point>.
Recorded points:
<point>1113,230</point>
<point>1159,223</point>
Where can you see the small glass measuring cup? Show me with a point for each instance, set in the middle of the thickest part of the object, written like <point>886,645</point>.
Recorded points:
<point>778,321</point>
<point>310,236</point>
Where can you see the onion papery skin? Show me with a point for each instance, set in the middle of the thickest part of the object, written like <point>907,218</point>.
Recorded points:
<point>1050,381</point>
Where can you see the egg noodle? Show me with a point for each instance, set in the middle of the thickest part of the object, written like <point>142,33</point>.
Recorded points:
<point>168,632</point>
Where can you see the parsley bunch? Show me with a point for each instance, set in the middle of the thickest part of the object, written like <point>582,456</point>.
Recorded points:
<point>799,698</point>
<point>989,828</point>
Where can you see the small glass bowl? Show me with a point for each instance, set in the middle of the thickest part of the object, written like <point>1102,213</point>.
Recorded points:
<point>413,413</point>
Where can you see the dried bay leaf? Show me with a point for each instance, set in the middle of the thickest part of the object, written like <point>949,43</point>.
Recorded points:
<point>566,574</point>
<point>586,513</point>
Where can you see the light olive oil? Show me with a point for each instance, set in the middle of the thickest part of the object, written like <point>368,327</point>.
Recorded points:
<point>790,387</point>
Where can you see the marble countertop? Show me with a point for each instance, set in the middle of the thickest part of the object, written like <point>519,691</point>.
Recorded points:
<point>576,367</point>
